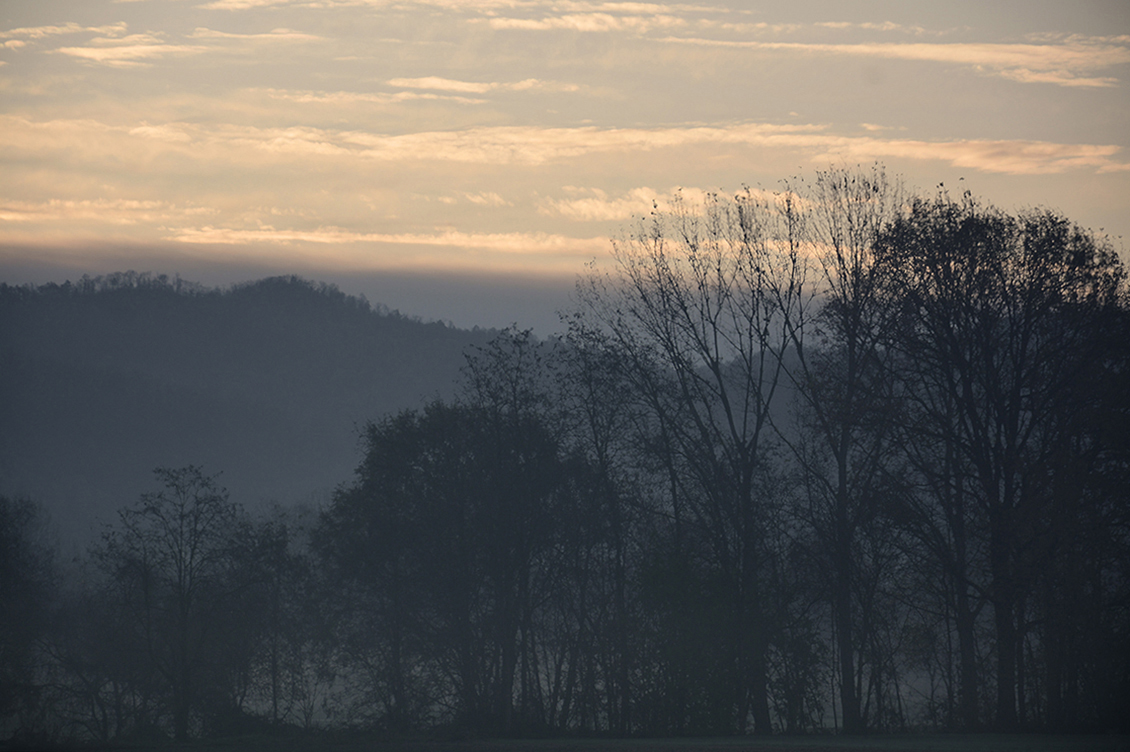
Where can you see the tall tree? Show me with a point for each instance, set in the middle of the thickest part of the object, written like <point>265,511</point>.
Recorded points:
<point>840,375</point>
<point>696,302</point>
<point>446,528</point>
<point>1004,317</point>
<point>595,390</point>
<point>173,564</point>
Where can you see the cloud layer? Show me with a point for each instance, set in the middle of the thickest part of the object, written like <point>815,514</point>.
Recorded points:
<point>518,135</point>
<point>531,146</point>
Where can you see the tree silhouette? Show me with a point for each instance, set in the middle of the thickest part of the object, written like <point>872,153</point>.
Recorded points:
<point>27,593</point>
<point>1005,321</point>
<point>173,562</point>
<point>697,303</point>
<point>844,392</point>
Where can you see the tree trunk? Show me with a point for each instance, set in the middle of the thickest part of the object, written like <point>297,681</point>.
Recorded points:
<point>759,680</point>
<point>753,638</point>
<point>968,660</point>
<point>841,597</point>
<point>1003,613</point>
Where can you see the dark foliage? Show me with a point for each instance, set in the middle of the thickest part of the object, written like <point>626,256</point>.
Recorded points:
<point>27,596</point>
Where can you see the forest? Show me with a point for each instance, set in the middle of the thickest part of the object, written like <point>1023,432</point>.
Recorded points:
<point>834,458</point>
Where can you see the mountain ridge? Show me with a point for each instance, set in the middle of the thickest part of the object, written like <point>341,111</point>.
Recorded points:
<point>267,382</point>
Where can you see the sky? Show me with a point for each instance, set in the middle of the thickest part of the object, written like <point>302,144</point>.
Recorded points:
<point>466,160</point>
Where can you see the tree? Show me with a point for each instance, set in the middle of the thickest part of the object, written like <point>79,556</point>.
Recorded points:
<point>1004,322</point>
<point>601,419</point>
<point>292,666</point>
<point>173,565</point>
<point>697,303</point>
<point>27,585</point>
<point>445,532</point>
<point>844,392</point>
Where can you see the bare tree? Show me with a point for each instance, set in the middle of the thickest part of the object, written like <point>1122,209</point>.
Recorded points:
<point>172,562</point>
<point>840,375</point>
<point>602,416</point>
<point>697,302</point>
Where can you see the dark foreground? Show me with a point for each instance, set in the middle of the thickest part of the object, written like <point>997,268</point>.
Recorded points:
<point>884,743</point>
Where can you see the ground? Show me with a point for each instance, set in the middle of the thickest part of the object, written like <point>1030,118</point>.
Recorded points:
<point>885,743</point>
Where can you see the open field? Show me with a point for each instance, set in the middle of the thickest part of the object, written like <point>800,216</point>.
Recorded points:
<point>884,743</point>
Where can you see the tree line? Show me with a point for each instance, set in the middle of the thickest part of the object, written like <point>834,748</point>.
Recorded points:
<point>833,457</point>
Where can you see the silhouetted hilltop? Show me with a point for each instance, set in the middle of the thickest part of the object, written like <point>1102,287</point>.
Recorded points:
<point>107,378</point>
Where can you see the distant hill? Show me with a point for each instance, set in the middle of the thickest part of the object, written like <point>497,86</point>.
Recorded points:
<point>103,380</point>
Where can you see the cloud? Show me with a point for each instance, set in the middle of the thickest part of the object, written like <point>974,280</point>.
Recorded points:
<point>534,146</point>
<point>487,198</point>
<point>118,49</point>
<point>1010,157</point>
<point>641,18</point>
<point>161,133</point>
<point>1060,77</point>
<point>525,243</point>
<point>166,221</point>
<point>475,6</point>
<point>101,211</point>
<point>481,198</point>
<point>138,49</point>
<point>241,4</point>
<point>127,55</point>
<point>1066,63</point>
<point>354,97</point>
<point>871,26</point>
<point>273,35</point>
<point>453,5</point>
<point>479,87</point>
<point>639,8</point>
<point>591,22</point>
<point>528,145</point>
<point>596,206</point>
<point>442,84</point>
<point>128,51</point>
<point>42,32</point>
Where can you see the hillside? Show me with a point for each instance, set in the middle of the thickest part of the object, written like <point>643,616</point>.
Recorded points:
<point>268,382</point>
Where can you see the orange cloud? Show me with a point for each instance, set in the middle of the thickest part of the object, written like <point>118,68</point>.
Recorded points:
<point>529,145</point>
<point>1066,63</point>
